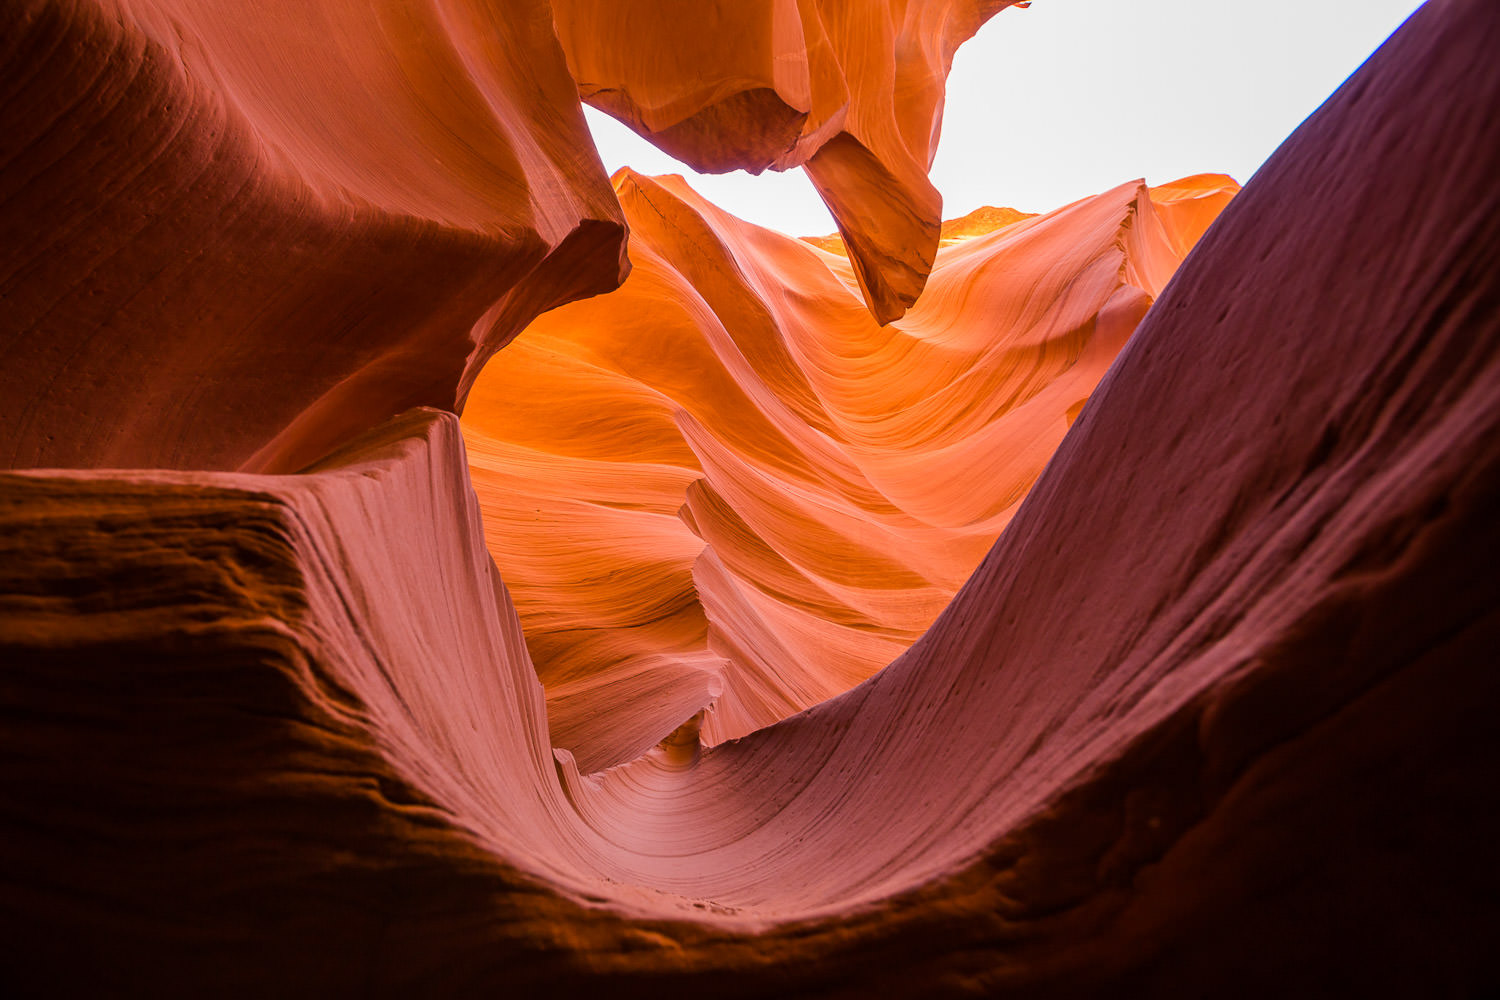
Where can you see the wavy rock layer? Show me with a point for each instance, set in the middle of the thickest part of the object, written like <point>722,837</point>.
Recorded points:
<point>852,91</point>
<point>725,487</point>
<point>1213,717</point>
<point>216,216</point>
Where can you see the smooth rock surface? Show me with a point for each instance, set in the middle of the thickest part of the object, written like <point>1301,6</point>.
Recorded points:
<point>1213,717</point>
<point>724,486</point>
<point>234,235</point>
<point>850,89</point>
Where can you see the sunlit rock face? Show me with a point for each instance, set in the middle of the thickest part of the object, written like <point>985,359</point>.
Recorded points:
<point>218,217</point>
<point>852,90</point>
<point>1213,717</point>
<point>724,486</point>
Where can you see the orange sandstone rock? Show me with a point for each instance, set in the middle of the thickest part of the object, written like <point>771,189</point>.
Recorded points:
<point>236,234</point>
<point>724,485</point>
<point>1213,718</point>
<point>853,91</point>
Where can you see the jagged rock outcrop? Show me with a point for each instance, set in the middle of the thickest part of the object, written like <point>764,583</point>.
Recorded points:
<point>1214,716</point>
<point>853,92</point>
<point>725,486</point>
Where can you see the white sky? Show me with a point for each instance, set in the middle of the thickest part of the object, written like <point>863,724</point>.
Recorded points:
<point>1071,97</point>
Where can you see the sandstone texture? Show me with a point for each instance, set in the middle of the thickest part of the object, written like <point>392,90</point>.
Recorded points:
<point>1213,716</point>
<point>850,90</point>
<point>235,235</point>
<point>725,487</point>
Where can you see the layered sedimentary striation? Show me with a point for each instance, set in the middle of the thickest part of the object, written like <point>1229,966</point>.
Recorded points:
<point>1213,716</point>
<point>217,219</point>
<point>725,487</point>
<point>853,92</point>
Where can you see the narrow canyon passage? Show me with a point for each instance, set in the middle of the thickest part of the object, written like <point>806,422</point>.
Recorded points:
<point>724,487</point>
<point>1211,717</point>
<point>1098,648</point>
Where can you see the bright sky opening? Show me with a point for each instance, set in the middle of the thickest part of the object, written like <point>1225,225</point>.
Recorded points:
<point>1071,97</point>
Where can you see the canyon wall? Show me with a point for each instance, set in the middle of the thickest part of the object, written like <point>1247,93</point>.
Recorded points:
<point>850,91</point>
<point>725,487</point>
<point>1212,717</point>
<point>236,235</point>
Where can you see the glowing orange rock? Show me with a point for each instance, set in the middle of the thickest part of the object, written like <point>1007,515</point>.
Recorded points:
<point>1214,716</point>
<point>725,485</point>
<point>853,91</point>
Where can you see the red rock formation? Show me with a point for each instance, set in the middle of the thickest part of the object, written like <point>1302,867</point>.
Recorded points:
<point>724,485</point>
<point>216,217</point>
<point>853,91</point>
<point>1214,717</point>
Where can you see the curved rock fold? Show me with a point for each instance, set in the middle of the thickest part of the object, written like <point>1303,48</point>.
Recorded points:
<point>1211,717</point>
<point>851,91</point>
<point>215,218</point>
<point>801,491</point>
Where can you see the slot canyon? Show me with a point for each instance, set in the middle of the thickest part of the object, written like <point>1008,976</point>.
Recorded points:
<point>433,566</point>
